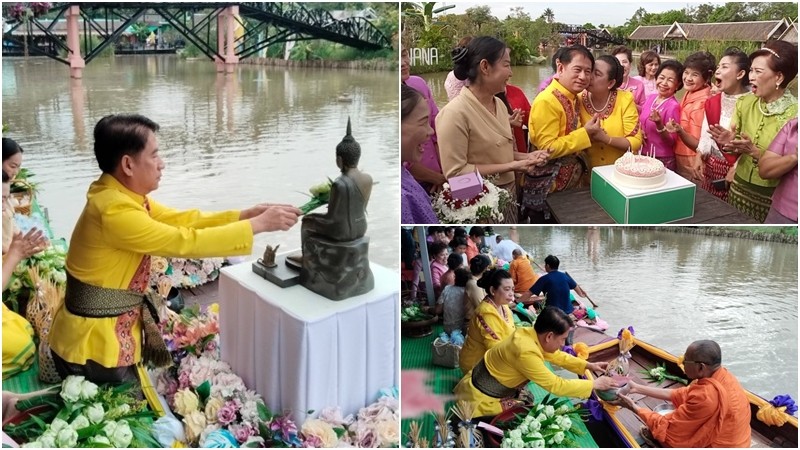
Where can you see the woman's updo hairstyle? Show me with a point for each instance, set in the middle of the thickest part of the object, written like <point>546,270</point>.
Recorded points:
<point>492,279</point>
<point>466,60</point>
<point>781,57</point>
<point>478,264</point>
<point>615,72</point>
<point>552,319</point>
<point>742,63</point>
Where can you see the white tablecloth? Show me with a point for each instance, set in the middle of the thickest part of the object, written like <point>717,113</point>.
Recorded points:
<point>303,352</point>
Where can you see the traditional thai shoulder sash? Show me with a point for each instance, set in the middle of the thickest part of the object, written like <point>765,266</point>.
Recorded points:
<point>488,384</point>
<point>86,300</point>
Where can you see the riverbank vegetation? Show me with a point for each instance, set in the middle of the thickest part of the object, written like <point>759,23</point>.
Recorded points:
<point>426,26</point>
<point>787,234</point>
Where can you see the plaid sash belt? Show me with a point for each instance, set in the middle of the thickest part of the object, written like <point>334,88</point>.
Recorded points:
<point>86,300</point>
<point>487,384</point>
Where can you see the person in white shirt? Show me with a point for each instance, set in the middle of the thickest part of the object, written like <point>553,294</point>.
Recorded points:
<point>505,247</point>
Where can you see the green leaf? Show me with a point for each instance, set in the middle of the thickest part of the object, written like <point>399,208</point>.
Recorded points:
<point>204,390</point>
<point>339,432</point>
<point>263,412</point>
<point>91,430</point>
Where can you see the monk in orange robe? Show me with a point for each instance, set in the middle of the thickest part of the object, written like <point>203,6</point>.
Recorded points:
<point>713,411</point>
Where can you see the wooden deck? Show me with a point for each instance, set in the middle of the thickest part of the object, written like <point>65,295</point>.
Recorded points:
<point>643,359</point>
<point>577,207</point>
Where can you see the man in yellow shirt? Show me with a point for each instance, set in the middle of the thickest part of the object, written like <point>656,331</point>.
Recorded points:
<point>521,272</point>
<point>105,326</point>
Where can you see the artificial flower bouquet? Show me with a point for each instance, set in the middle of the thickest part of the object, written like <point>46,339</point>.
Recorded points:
<point>50,264</point>
<point>551,423</point>
<point>619,366</point>
<point>184,273</point>
<point>193,331</point>
<point>83,414</point>
<point>320,195</point>
<point>486,207</point>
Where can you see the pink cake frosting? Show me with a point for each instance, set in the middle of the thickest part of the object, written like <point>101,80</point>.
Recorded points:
<point>639,166</point>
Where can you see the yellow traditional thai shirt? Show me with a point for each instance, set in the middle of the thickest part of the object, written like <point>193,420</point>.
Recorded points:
<point>18,346</point>
<point>486,329</point>
<point>619,118</point>
<point>553,122</point>
<point>110,248</point>
<point>518,360</point>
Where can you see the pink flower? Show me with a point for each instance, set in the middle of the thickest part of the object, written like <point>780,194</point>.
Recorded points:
<point>183,380</point>
<point>227,413</point>
<point>242,432</point>
<point>312,442</point>
<point>211,346</point>
<point>366,438</point>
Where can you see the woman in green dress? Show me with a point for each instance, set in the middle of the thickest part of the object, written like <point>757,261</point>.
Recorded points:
<point>756,121</point>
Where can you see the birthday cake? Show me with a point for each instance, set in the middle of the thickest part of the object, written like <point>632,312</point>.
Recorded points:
<point>640,172</point>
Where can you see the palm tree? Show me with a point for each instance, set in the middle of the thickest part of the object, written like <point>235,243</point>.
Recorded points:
<point>424,10</point>
<point>549,16</point>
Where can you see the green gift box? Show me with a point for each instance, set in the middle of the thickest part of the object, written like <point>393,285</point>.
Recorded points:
<point>672,201</point>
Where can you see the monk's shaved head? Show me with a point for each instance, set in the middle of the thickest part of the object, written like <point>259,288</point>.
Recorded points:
<point>705,351</point>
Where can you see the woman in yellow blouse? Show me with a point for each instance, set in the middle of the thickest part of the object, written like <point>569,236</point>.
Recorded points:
<point>473,130</point>
<point>109,254</point>
<point>619,118</point>
<point>495,381</point>
<point>18,346</point>
<point>492,321</point>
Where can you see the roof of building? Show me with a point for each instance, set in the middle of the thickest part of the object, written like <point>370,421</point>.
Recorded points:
<point>760,31</point>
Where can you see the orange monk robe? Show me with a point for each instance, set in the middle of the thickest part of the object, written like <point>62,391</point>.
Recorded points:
<point>472,250</point>
<point>522,274</point>
<point>710,412</point>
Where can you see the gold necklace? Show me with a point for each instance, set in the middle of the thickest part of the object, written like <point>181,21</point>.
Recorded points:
<point>765,114</point>
<point>598,111</point>
<point>502,311</point>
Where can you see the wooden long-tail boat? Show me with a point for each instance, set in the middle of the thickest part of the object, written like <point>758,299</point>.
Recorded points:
<point>623,425</point>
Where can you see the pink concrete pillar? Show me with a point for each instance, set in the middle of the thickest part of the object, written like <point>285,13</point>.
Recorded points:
<point>221,23</point>
<point>231,60</point>
<point>76,62</point>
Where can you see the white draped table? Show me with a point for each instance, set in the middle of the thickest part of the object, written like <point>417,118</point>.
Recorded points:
<point>302,351</point>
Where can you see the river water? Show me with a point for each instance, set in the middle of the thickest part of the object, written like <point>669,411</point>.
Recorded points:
<point>675,288</point>
<point>261,134</point>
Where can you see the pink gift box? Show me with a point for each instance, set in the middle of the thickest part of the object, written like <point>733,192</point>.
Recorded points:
<point>466,187</point>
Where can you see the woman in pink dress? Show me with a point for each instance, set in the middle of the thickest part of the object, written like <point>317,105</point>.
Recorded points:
<point>658,110</point>
<point>629,83</point>
<point>648,66</point>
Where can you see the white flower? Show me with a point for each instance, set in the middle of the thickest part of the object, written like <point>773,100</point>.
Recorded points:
<point>566,424</point>
<point>549,411</point>
<point>539,407</point>
<point>541,418</point>
<point>80,423</point>
<point>515,434</point>
<point>71,388</point>
<point>99,439</point>
<point>67,438</point>
<point>558,437</point>
<point>88,390</point>
<point>487,202</point>
<point>538,443</point>
<point>562,409</point>
<point>109,428</point>
<point>122,436</point>
<point>120,410</point>
<point>57,425</point>
<point>36,444</point>
<point>535,426</point>
<point>95,413</point>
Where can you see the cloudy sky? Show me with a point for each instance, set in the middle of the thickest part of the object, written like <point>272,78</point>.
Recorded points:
<point>608,13</point>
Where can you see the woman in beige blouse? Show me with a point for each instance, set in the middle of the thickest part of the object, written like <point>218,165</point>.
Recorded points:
<point>473,129</point>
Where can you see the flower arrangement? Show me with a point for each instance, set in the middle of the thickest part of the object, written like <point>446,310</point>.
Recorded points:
<point>50,263</point>
<point>659,373</point>
<point>619,366</point>
<point>184,273</point>
<point>486,207</point>
<point>320,195</point>
<point>83,414</point>
<point>551,423</point>
<point>194,331</point>
<point>414,314</point>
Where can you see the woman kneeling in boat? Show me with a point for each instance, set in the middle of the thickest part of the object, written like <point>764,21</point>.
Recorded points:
<point>493,384</point>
